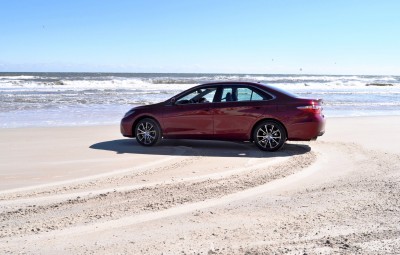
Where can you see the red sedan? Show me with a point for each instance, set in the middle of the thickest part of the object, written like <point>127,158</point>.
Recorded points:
<point>235,111</point>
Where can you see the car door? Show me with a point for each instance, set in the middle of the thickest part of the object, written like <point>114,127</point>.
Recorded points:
<point>239,108</point>
<point>191,115</point>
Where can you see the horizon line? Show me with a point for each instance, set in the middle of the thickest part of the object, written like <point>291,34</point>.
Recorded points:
<point>225,73</point>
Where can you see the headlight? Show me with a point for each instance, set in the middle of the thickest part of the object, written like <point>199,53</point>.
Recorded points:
<point>130,112</point>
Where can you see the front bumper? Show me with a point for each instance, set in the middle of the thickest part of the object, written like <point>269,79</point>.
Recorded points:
<point>126,127</point>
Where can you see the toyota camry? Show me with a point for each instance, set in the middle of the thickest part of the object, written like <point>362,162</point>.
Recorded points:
<point>233,111</point>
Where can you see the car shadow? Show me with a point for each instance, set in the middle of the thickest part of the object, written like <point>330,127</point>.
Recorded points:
<point>207,148</point>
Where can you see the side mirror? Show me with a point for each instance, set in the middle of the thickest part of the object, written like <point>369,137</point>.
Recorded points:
<point>172,101</point>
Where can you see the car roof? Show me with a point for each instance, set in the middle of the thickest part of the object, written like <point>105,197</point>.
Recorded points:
<point>237,83</point>
<point>229,83</point>
<point>232,83</point>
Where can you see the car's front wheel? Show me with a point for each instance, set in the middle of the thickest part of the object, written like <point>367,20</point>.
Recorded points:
<point>269,135</point>
<point>148,132</point>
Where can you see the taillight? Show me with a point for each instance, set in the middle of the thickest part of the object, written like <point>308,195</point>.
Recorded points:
<point>314,107</point>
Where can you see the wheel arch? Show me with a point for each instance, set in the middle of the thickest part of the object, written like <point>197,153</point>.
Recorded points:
<point>267,119</point>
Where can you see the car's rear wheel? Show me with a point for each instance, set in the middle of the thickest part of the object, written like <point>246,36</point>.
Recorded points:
<point>148,132</point>
<point>269,135</point>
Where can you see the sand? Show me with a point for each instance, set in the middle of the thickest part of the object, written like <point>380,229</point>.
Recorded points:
<point>87,190</point>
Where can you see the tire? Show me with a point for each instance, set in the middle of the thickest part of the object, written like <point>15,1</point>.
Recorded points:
<point>269,135</point>
<point>147,132</point>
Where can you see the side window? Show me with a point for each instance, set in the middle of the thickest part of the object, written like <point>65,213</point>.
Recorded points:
<point>227,95</point>
<point>256,97</point>
<point>239,94</point>
<point>247,94</point>
<point>244,94</point>
<point>205,95</point>
<point>209,95</point>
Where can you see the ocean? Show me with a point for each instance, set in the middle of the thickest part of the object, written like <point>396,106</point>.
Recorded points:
<point>68,99</point>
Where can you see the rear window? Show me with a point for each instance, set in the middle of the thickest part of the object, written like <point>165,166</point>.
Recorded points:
<point>281,91</point>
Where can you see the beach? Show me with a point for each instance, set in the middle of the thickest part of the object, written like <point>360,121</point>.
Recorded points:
<point>88,190</point>
<point>92,93</point>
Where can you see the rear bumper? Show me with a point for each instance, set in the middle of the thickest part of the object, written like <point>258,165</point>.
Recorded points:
<point>319,134</point>
<point>308,130</point>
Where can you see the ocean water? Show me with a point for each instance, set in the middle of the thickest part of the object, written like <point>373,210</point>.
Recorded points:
<point>64,99</point>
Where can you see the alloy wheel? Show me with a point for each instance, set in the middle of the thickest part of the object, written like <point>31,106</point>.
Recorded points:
<point>269,136</point>
<point>146,133</point>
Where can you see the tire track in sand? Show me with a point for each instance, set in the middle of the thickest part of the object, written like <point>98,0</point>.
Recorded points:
<point>86,178</point>
<point>112,206</point>
<point>176,170</point>
<point>30,200</point>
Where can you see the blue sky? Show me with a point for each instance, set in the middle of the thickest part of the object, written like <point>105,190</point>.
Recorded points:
<point>271,36</point>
